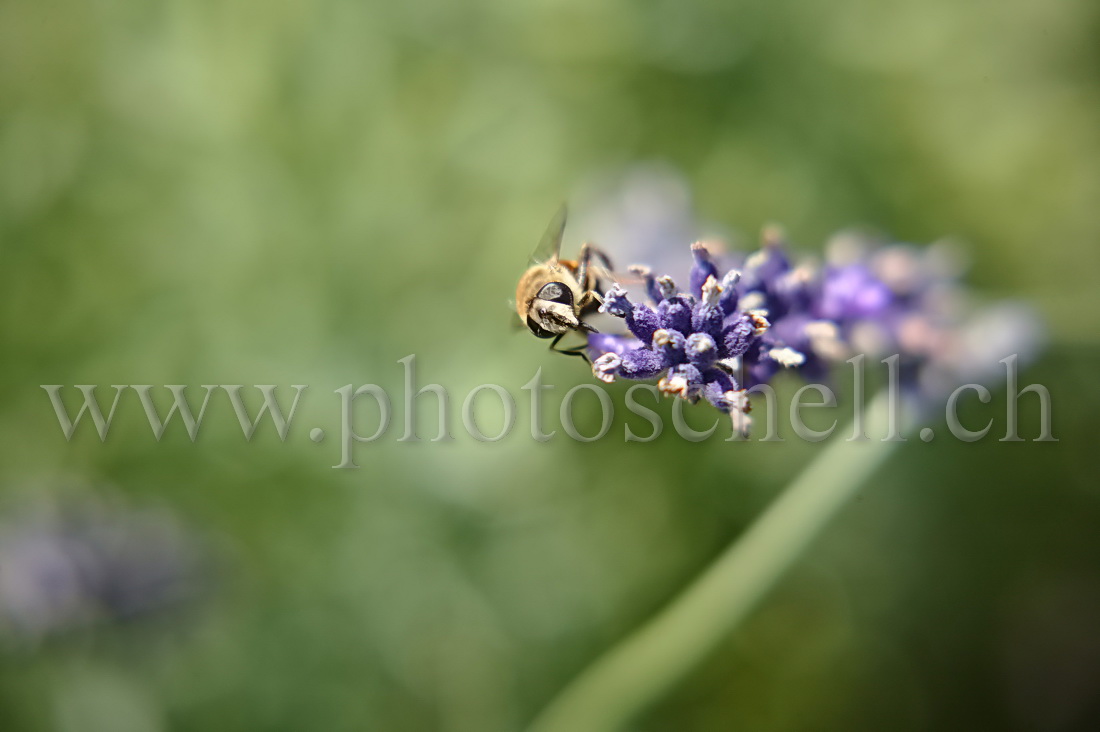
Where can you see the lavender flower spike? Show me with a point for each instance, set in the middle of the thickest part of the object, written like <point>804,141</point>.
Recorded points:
<point>735,329</point>
<point>683,339</point>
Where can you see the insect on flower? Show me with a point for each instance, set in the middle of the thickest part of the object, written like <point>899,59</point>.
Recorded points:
<point>555,295</point>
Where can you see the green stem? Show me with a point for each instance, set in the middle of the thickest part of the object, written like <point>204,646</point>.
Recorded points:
<point>646,664</point>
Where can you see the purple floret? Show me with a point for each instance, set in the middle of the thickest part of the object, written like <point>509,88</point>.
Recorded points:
<point>701,269</point>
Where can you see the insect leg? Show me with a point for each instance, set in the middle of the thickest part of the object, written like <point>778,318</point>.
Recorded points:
<point>578,350</point>
<point>590,302</point>
<point>586,269</point>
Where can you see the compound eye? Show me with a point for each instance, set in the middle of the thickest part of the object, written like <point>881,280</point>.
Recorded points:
<point>538,330</point>
<point>556,292</point>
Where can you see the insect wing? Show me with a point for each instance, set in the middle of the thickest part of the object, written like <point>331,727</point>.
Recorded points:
<point>550,244</point>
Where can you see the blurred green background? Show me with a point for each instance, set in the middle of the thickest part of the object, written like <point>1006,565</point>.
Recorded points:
<point>305,192</point>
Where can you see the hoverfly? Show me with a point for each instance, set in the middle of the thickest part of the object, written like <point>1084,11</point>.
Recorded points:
<point>555,295</point>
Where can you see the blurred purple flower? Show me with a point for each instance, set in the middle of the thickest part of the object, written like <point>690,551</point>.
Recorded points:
<point>75,559</point>
<point>643,214</point>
